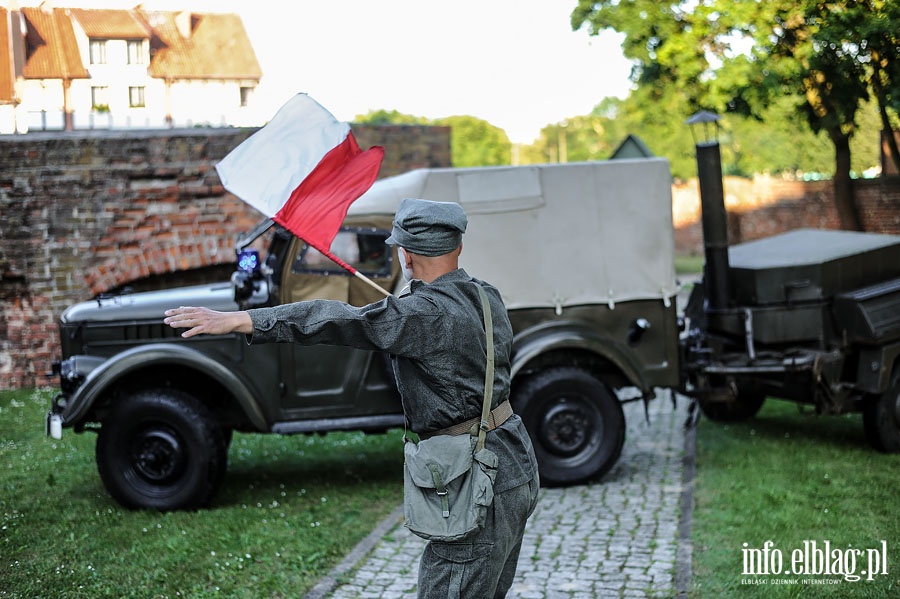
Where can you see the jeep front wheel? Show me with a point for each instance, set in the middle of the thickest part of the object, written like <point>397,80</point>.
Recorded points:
<point>575,422</point>
<point>161,449</point>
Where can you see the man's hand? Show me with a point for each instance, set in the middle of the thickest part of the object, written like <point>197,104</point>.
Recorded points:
<point>203,321</point>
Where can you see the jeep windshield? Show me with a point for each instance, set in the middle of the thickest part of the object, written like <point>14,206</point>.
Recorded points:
<point>253,234</point>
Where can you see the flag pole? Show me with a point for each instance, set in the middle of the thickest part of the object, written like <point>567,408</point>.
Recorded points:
<point>350,269</point>
<point>370,282</point>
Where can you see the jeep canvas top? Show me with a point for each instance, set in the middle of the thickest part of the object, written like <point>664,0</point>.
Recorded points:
<point>555,235</point>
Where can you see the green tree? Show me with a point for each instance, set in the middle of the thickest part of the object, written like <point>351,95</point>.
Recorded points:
<point>577,139</point>
<point>671,56</point>
<point>390,117</point>
<point>778,144</point>
<point>810,52</point>
<point>883,46</point>
<point>475,142</point>
<point>866,143</point>
<point>741,56</point>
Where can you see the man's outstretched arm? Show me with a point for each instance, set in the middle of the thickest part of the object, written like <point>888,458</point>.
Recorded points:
<point>203,321</point>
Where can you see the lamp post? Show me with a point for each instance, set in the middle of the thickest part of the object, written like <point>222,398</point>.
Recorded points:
<point>562,142</point>
<point>705,131</point>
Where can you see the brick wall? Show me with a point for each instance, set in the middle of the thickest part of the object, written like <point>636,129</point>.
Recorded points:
<point>765,206</point>
<point>85,213</point>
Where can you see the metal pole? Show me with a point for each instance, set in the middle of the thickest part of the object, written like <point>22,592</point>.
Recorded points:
<point>715,224</point>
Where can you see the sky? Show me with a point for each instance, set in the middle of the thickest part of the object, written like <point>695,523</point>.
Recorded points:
<point>514,63</point>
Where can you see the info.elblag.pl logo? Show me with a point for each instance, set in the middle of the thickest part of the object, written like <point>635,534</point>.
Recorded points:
<point>814,558</point>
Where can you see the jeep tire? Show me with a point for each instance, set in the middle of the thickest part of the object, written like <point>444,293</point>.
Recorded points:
<point>881,418</point>
<point>161,449</point>
<point>746,405</point>
<point>575,422</point>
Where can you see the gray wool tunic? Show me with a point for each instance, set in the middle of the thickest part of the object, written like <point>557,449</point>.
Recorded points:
<point>435,335</point>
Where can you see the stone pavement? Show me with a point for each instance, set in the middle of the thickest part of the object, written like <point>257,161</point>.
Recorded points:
<point>627,535</point>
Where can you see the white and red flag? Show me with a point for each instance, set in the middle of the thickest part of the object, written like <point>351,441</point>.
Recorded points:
<point>303,169</point>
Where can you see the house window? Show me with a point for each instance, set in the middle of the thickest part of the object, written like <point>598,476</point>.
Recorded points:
<point>246,92</point>
<point>100,99</point>
<point>136,97</point>
<point>98,51</point>
<point>136,52</point>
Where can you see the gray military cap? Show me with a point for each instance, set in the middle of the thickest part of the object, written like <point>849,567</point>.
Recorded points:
<point>428,228</point>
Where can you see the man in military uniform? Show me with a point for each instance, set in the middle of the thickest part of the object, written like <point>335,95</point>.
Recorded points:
<point>434,333</point>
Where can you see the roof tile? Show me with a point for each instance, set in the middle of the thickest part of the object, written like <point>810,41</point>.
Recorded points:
<point>216,47</point>
<point>50,47</point>
<point>7,78</point>
<point>111,24</point>
<point>183,45</point>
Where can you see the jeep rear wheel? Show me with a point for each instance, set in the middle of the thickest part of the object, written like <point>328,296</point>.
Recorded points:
<point>881,419</point>
<point>161,449</point>
<point>575,423</point>
<point>745,406</point>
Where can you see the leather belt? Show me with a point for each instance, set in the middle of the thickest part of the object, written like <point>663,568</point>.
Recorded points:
<point>496,417</point>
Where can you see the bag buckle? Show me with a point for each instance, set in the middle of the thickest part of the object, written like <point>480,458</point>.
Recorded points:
<point>441,489</point>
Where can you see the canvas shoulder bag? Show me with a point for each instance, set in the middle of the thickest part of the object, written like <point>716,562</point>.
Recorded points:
<point>448,480</point>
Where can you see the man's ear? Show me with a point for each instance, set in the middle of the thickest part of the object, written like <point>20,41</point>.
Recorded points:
<point>404,257</point>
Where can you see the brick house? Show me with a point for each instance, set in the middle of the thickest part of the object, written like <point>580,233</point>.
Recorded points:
<point>68,68</point>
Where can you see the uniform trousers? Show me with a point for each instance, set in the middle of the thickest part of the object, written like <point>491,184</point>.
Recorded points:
<point>485,565</point>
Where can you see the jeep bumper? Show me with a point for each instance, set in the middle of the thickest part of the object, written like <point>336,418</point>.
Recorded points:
<point>72,373</point>
<point>53,425</point>
<point>53,421</point>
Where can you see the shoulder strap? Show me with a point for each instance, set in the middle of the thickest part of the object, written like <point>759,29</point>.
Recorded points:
<point>489,370</point>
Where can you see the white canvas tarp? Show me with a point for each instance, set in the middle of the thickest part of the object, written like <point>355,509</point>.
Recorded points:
<point>555,235</point>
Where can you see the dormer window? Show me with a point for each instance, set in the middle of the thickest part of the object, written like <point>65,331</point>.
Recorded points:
<point>136,53</point>
<point>98,51</point>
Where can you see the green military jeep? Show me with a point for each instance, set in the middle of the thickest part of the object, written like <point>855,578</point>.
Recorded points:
<point>583,254</point>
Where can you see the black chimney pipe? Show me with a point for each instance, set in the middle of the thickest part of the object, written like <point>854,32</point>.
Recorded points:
<point>715,225</point>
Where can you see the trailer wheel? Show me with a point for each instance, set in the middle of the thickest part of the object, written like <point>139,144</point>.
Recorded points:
<point>161,449</point>
<point>881,418</point>
<point>575,423</point>
<point>745,406</point>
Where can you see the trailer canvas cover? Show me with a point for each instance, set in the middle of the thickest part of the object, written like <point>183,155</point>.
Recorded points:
<point>555,235</point>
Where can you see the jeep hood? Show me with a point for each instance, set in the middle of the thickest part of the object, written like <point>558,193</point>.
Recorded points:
<point>151,305</point>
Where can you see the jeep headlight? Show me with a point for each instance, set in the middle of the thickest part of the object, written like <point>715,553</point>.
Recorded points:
<point>73,371</point>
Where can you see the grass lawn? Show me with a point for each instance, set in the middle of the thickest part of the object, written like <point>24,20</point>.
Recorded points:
<point>792,479</point>
<point>292,507</point>
<point>689,264</point>
<point>289,510</point>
